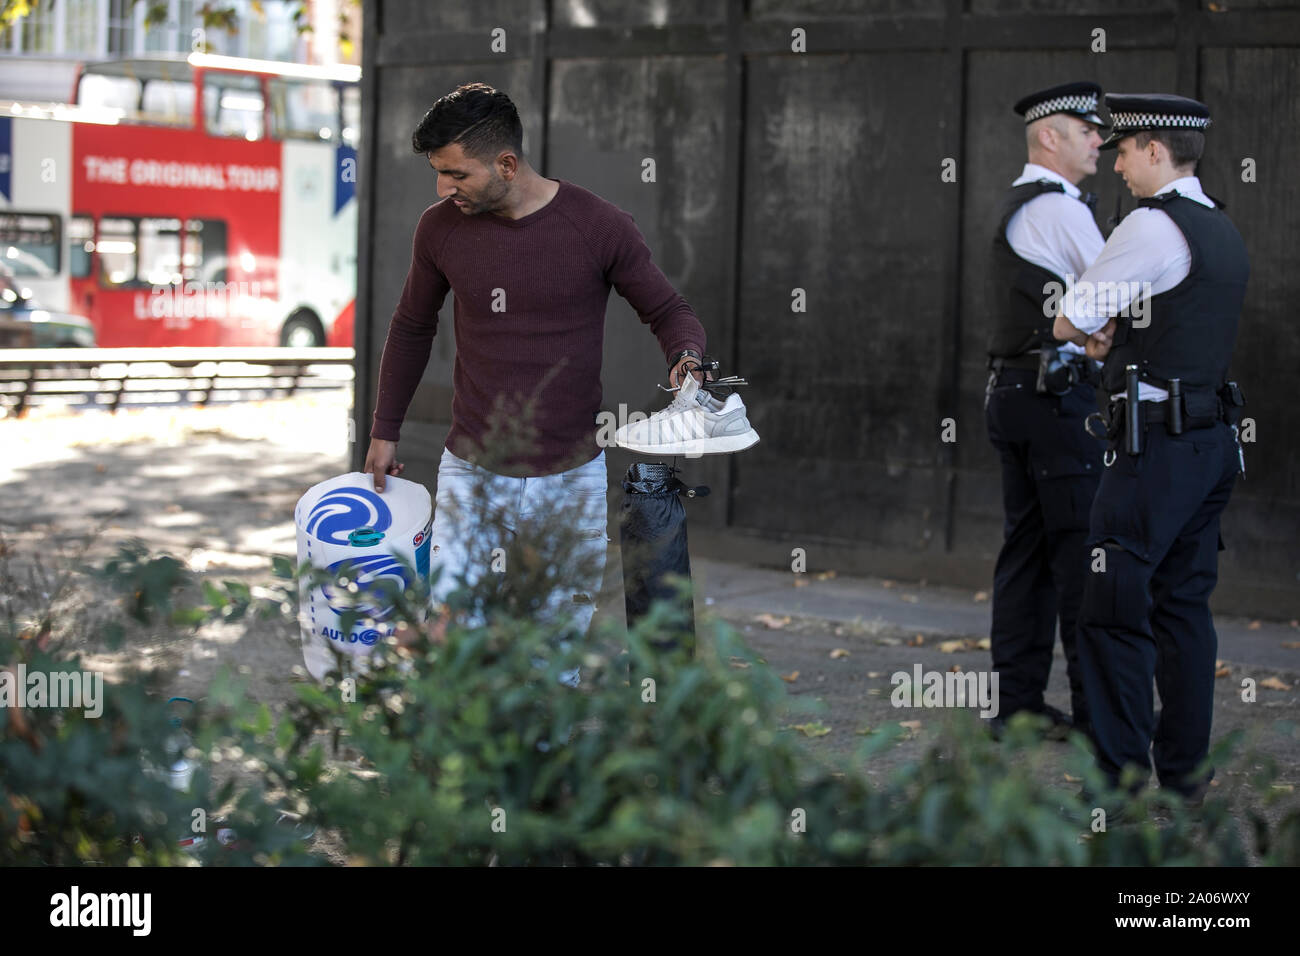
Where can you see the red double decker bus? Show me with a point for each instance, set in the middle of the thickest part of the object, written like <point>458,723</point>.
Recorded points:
<point>199,201</point>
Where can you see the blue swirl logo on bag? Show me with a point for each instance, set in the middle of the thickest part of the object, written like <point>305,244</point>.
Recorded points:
<point>344,510</point>
<point>378,577</point>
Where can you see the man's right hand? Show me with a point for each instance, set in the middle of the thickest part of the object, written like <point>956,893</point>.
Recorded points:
<point>381,461</point>
<point>1098,345</point>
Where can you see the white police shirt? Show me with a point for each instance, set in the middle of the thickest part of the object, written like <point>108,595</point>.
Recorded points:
<point>1055,230</point>
<point>1146,255</point>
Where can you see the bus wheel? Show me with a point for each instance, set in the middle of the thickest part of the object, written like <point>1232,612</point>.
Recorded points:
<point>302,331</point>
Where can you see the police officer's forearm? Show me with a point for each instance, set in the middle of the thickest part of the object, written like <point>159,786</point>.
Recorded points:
<point>1064,331</point>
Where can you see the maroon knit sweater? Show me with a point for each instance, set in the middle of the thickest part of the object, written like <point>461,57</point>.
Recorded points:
<point>530,299</point>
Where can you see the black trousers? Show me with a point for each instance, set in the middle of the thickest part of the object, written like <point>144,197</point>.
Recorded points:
<point>1147,615</point>
<point>1050,470</point>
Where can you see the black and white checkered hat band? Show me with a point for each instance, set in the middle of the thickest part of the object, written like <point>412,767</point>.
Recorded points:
<point>1075,103</point>
<point>1144,121</point>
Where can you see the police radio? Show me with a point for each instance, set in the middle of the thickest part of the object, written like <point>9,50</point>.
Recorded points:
<point>1056,374</point>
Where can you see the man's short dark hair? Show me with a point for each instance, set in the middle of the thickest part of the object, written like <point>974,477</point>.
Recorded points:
<point>1185,145</point>
<point>482,120</point>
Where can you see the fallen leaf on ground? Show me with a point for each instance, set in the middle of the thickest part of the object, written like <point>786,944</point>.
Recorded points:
<point>825,575</point>
<point>911,598</point>
<point>981,596</point>
<point>814,729</point>
<point>864,731</point>
<point>913,727</point>
<point>791,677</point>
<point>873,673</point>
<point>1273,683</point>
<point>984,644</point>
<point>1071,779</point>
<point>1293,645</point>
<point>737,662</point>
<point>955,669</point>
<point>916,641</point>
<point>1254,626</point>
<point>772,621</point>
<point>838,653</point>
<point>886,584</point>
<point>1221,669</point>
<point>951,647</point>
<point>801,582</point>
<point>888,641</point>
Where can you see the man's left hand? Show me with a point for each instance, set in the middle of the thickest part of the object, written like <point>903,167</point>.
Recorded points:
<point>678,371</point>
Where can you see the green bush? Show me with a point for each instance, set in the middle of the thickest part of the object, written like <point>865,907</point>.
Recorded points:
<point>459,737</point>
<point>90,788</point>
<point>466,748</point>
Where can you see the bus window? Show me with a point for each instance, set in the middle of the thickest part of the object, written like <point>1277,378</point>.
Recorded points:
<point>233,105</point>
<point>168,103</point>
<point>114,92</point>
<point>303,110</point>
<point>116,249</point>
<point>351,114</point>
<point>153,250</point>
<point>205,250</point>
<point>159,261</point>
<point>81,243</point>
<point>30,243</point>
<point>158,92</point>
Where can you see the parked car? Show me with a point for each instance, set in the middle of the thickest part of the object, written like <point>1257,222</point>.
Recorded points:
<point>24,324</point>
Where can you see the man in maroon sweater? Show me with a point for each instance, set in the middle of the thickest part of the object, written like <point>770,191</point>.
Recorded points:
<point>531,261</point>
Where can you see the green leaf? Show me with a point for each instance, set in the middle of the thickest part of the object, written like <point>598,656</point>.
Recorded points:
<point>213,595</point>
<point>284,734</point>
<point>282,567</point>
<point>262,722</point>
<point>188,616</point>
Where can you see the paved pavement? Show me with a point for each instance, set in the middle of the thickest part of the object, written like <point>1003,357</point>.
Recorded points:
<point>932,610</point>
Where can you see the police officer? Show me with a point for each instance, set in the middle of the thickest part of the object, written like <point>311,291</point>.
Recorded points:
<point>1161,305</point>
<point>1039,395</point>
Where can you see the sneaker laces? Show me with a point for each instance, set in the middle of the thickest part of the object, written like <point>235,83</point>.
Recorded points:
<point>680,403</point>
<point>718,387</point>
<point>723,387</point>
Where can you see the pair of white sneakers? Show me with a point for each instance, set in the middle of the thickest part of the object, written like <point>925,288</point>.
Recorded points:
<point>695,423</point>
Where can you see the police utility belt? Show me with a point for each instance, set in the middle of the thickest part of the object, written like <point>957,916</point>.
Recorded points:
<point>1058,370</point>
<point>1126,419</point>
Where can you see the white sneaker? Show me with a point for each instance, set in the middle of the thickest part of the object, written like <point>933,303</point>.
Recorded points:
<point>694,424</point>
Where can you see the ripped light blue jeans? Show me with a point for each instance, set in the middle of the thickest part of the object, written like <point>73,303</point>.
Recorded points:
<point>466,546</point>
